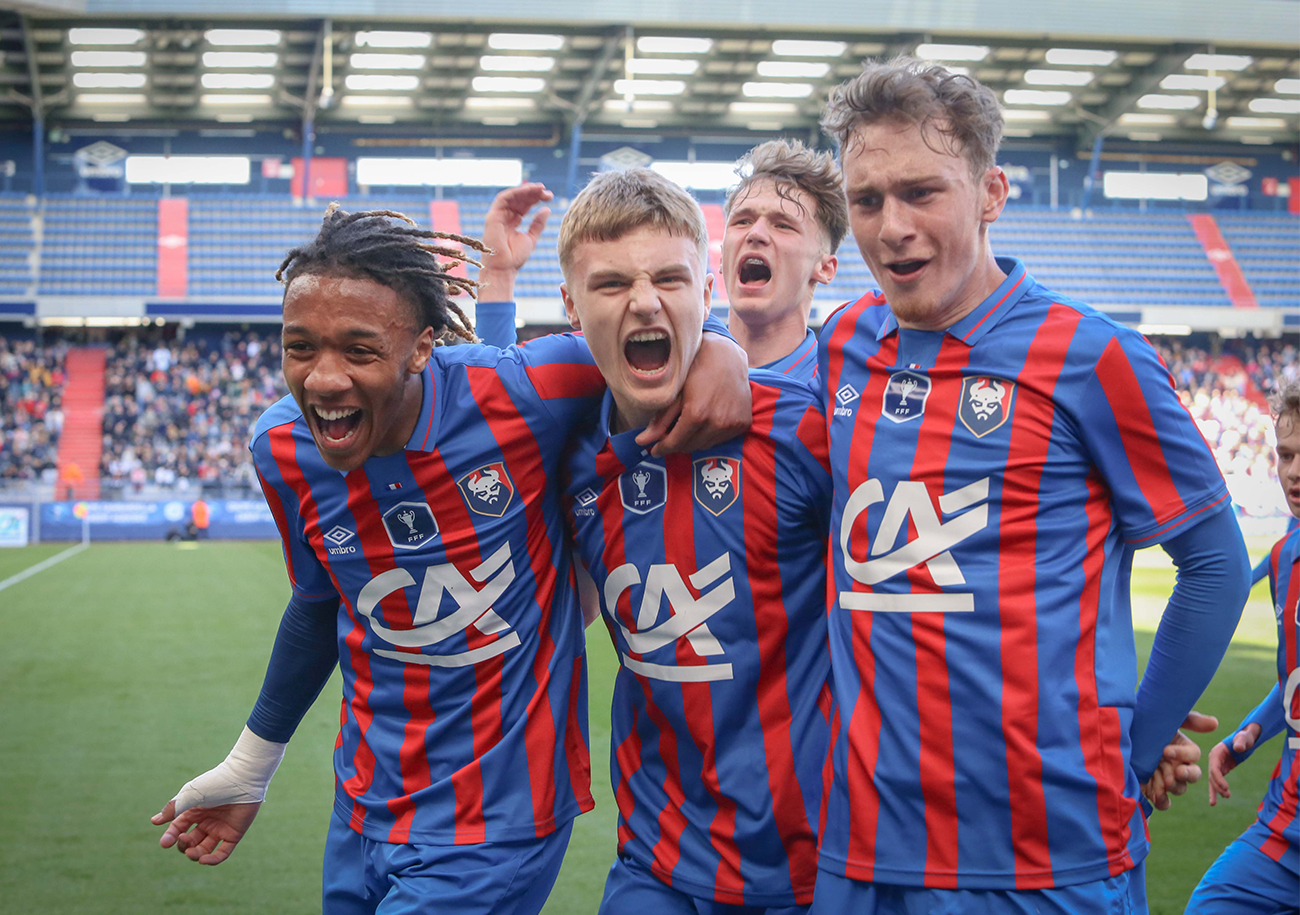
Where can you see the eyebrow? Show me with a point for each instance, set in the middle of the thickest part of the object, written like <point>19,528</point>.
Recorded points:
<point>903,182</point>
<point>356,332</point>
<point>601,276</point>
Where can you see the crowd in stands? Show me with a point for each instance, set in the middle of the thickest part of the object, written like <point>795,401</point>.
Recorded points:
<point>31,411</point>
<point>180,414</point>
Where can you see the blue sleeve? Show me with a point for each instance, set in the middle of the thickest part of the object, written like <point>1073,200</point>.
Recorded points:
<point>1260,572</point>
<point>494,322</point>
<point>302,659</point>
<point>1194,632</point>
<point>1270,715</point>
<point>714,325</point>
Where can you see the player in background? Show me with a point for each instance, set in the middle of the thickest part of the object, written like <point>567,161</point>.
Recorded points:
<point>998,453</point>
<point>784,223</point>
<point>416,491</point>
<point>1260,872</point>
<point>710,571</point>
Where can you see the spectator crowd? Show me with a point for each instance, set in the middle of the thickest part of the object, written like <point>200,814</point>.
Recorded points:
<point>31,409</point>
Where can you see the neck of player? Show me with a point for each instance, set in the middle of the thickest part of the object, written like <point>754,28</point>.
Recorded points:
<point>764,342</point>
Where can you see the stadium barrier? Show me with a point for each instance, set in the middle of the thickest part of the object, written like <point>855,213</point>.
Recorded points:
<point>229,519</point>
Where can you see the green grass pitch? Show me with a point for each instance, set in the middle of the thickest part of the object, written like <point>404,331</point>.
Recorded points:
<point>129,668</point>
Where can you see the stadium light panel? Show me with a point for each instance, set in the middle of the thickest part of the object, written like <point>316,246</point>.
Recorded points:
<point>1036,97</point>
<point>796,69</point>
<point>227,117</point>
<point>218,59</point>
<point>640,106</point>
<point>1058,77</point>
<point>1155,185</point>
<point>1275,105</point>
<point>1248,123</point>
<point>187,169</point>
<point>1217,62</point>
<point>444,172</point>
<point>1026,114</point>
<point>493,101</point>
<point>104,36</point>
<point>383,39</point>
<point>1186,81</point>
<point>376,119</point>
<point>242,37</point>
<point>787,47</point>
<point>662,66</point>
<point>668,44</point>
<point>108,80</point>
<point>704,176</point>
<point>1287,86</point>
<point>777,90</point>
<point>649,86</point>
<point>1081,57</point>
<point>517,63</point>
<point>517,41</point>
<point>363,81</point>
<point>952,51</point>
<point>763,108</point>
<point>376,101</point>
<point>249,100</point>
<point>1135,119</point>
<point>1170,102</point>
<point>508,84</point>
<point>118,117</point>
<point>237,80</point>
<point>107,58</point>
<point>386,61</point>
<point>111,98</point>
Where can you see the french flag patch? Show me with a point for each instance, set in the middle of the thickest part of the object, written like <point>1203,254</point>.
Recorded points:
<point>394,486</point>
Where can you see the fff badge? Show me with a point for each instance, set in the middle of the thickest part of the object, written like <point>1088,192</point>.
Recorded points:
<point>717,483</point>
<point>410,525</point>
<point>985,403</point>
<point>905,396</point>
<point>643,488</point>
<point>487,490</point>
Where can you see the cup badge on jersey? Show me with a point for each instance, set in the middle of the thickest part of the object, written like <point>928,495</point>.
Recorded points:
<point>643,488</point>
<point>410,525</point>
<point>985,403</point>
<point>717,483</point>
<point>905,396</point>
<point>488,489</point>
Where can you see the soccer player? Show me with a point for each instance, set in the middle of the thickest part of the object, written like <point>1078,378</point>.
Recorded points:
<point>1260,872</point>
<point>710,570</point>
<point>416,491</point>
<point>998,453</point>
<point>785,221</point>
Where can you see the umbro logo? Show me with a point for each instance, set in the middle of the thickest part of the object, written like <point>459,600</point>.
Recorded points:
<point>845,396</point>
<point>339,535</point>
<point>586,501</point>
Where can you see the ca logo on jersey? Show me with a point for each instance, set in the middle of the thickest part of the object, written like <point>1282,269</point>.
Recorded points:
<point>643,488</point>
<point>934,539</point>
<point>473,608</point>
<point>717,483</point>
<point>410,525</point>
<point>487,490</point>
<point>985,403</point>
<point>905,396</point>
<point>688,617</point>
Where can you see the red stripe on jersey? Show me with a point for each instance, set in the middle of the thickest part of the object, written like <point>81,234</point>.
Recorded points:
<point>863,726</point>
<point>995,307</point>
<point>563,379</point>
<point>842,334</point>
<point>1138,434</point>
<point>933,689</point>
<point>281,522</point>
<point>1031,434</point>
<point>812,349</point>
<point>575,746</point>
<point>758,460</point>
<point>628,756</point>
<point>1100,731</point>
<point>1286,812</point>
<point>812,434</point>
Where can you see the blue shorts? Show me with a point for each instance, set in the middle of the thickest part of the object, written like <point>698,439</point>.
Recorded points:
<point>365,877</point>
<point>631,889</point>
<point>1125,894</point>
<point>1245,881</point>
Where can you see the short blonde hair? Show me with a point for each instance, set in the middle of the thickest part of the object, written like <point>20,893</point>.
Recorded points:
<point>791,167</point>
<point>616,203</point>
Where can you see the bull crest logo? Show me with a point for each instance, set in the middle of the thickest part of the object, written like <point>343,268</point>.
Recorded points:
<point>488,490</point>
<point>985,403</point>
<point>717,483</point>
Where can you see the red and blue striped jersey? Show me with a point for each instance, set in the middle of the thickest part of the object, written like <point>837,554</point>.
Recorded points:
<point>711,571</point>
<point>460,639</point>
<point>801,364</point>
<point>991,482</point>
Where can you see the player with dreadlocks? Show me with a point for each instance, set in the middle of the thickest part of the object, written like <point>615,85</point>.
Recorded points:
<point>417,495</point>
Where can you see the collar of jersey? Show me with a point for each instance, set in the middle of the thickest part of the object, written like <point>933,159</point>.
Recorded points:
<point>788,361</point>
<point>979,322</point>
<point>425,436</point>
<point>622,444</point>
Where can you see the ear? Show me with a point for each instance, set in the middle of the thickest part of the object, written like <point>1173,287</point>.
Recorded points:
<point>423,350</point>
<point>570,307</point>
<point>996,191</point>
<point>708,293</point>
<point>826,268</point>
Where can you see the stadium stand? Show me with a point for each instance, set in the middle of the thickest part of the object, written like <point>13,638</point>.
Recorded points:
<point>99,246</point>
<point>1268,249</point>
<point>31,408</point>
<point>17,244</point>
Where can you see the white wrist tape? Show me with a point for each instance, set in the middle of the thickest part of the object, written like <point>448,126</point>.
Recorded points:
<point>241,778</point>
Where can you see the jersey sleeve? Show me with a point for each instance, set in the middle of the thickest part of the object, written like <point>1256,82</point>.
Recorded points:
<point>1160,472</point>
<point>560,369</point>
<point>307,576</point>
<point>494,322</point>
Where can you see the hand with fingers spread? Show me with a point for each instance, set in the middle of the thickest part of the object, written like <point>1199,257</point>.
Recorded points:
<point>511,247</point>
<point>715,405</point>
<point>207,835</point>
<point>1222,761</point>
<point>1179,765</point>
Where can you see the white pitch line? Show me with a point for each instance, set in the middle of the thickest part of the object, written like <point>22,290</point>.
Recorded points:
<point>42,565</point>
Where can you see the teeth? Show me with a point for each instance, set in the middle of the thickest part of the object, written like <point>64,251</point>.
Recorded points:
<point>647,336</point>
<point>335,414</point>
<point>755,260</point>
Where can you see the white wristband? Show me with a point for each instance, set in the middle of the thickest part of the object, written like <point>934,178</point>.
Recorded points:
<point>241,778</point>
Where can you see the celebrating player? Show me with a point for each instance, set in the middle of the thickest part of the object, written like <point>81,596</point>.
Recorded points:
<point>416,492</point>
<point>1260,872</point>
<point>710,569</point>
<point>998,453</point>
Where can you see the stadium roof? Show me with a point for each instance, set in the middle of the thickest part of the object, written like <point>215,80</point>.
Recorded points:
<point>461,78</point>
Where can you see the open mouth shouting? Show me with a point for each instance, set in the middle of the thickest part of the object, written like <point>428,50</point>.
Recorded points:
<point>336,427</point>
<point>754,271</point>
<point>647,352</point>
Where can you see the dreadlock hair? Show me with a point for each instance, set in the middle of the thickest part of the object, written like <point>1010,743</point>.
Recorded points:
<point>371,245</point>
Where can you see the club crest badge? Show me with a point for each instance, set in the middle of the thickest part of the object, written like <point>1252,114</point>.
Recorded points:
<point>717,483</point>
<point>643,488</point>
<point>410,525</point>
<point>487,490</point>
<point>905,396</point>
<point>985,403</point>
